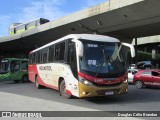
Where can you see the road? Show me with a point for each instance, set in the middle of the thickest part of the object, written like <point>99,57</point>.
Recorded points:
<point>26,97</point>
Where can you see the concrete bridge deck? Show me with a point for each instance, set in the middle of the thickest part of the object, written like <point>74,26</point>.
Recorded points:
<point>124,19</point>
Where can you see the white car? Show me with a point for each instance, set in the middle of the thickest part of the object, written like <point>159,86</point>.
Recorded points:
<point>131,73</point>
<point>132,66</point>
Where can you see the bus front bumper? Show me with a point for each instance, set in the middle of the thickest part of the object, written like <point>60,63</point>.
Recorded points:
<point>93,91</point>
<point>4,77</point>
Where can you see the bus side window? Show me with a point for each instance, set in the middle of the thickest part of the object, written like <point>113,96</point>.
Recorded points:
<point>38,57</point>
<point>15,66</point>
<point>31,25</point>
<point>45,55</point>
<point>51,54</point>
<point>71,53</point>
<point>24,65</point>
<point>33,58</point>
<point>41,57</point>
<point>20,28</point>
<point>60,52</point>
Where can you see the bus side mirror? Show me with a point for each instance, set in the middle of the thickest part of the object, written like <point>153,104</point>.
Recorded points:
<point>131,48</point>
<point>80,49</point>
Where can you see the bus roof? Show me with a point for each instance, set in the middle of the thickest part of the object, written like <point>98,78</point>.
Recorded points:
<point>92,37</point>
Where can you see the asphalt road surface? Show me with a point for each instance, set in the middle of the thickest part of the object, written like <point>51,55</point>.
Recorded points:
<point>26,97</point>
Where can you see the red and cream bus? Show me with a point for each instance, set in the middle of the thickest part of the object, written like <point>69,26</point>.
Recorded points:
<point>81,65</point>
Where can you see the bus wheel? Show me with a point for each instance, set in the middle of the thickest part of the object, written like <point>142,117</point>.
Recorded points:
<point>63,91</point>
<point>139,84</point>
<point>25,78</point>
<point>16,81</point>
<point>37,84</point>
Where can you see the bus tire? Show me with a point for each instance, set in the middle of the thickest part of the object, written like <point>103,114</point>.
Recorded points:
<point>16,81</point>
<point>63,90</point>
<point>38,86</point>
<point>25,79</point>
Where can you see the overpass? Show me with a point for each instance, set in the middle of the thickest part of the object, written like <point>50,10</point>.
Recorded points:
<point>124,19</point>
<point>147,40</point>
<point>149,45</point>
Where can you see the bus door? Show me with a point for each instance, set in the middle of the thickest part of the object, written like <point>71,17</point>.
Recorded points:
<point>15,70</point>
<point>72,58</point>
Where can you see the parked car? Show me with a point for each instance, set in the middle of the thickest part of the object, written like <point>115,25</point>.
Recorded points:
<point>131,73</point>
<point>144,65</point>
<point>147,77</point>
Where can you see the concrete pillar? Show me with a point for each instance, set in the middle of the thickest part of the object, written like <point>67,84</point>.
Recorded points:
<point>136,49</point>
<point>153,54</point>
<point>145,49</point>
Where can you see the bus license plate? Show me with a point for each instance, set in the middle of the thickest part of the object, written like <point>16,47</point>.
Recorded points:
<point>109,93</point>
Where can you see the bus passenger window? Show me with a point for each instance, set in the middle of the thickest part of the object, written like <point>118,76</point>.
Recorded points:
<point>38,57</point>
<point>59,51</point>
<point>44,57</point>
<point>33,58</point>
<point>24,65</point>
<point>51,54</point>
<point>41,57</point>
<point>15,66</point>
<point>71,53</point>
<point>30,59</point>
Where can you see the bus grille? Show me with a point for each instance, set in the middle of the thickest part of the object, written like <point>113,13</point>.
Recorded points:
<point>102,92</point>
<point>106,85</point>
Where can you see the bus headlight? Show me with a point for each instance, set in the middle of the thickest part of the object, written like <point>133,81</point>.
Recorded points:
<point>126,81</point>
<point>86,82</point>
<point>4,77</point>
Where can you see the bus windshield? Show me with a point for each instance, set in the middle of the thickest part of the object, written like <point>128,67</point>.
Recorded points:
<point>4,66</point>
<point>102,59</point>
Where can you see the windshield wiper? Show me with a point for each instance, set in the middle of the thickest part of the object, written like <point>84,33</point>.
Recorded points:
<point>99,67</point>
<point>101,64</point>
<point>105,59</point>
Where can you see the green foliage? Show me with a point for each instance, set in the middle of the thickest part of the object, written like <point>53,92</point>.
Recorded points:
<point>144,56</point>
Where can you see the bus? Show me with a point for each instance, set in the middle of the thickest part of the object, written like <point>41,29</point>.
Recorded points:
<point>81,65</point>
<point>14,69</point>
<point>22,27</point>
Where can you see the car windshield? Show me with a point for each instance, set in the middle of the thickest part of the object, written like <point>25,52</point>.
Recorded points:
<point>102,59</point>
<point>4,66</point>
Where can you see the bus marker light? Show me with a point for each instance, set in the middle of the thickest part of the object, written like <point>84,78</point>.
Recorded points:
<point>83,93</point>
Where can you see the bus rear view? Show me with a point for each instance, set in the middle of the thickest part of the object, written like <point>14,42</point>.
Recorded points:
<point>83,65</point>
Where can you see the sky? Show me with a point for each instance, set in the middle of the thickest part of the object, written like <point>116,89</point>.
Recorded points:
<point>20,11</point>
